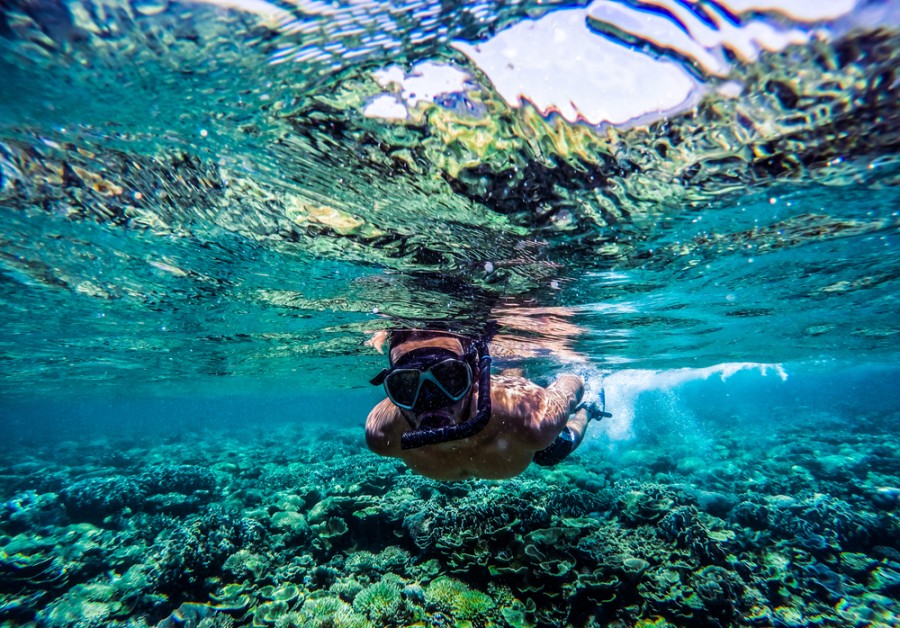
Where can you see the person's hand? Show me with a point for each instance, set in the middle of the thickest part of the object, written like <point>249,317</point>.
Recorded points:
<point>594,411</point>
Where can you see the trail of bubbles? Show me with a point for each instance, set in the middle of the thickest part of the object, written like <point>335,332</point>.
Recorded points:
<point>622,389</point>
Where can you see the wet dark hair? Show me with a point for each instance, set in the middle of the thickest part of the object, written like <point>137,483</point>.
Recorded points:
<point>402,336</point>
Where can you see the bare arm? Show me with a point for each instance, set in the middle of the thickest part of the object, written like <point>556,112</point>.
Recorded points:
<point>383,429</point>
<point>541,413</point>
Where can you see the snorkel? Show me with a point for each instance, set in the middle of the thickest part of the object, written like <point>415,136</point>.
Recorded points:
<point>420,437</point>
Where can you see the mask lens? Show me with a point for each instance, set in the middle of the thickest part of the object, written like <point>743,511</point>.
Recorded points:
<point>454,376</point>
<point>402,386</point>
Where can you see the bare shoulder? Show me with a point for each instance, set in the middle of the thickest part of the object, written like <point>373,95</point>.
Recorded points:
<point>384,426</point>
<point>518,403</point>
<point>536,414</point>
<point>515,395</point>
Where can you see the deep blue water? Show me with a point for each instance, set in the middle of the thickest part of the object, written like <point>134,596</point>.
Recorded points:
<point>646,403</point>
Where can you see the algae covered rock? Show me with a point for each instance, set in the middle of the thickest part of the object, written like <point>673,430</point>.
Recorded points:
<point>29,510</point>
<point>392,559</point>
<point>187,479</point>
<point>751,514</point>
<point>103,602</point>
<point>247,565</point>
<point>193,552</point>
<point>96,498</point>
<point>292,524</point>
<point>27,563</point>
<point>644,504</point>
<point>173,489</point>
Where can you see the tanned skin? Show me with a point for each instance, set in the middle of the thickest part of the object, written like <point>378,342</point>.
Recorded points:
<point>525,418</point>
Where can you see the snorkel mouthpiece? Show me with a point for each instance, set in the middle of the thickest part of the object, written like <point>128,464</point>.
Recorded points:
<point>421,437</point>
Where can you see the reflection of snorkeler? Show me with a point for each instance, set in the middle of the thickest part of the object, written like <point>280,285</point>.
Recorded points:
<point>448,419</point>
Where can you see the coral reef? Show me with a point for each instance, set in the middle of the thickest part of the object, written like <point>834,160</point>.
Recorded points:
<point>648,537</point>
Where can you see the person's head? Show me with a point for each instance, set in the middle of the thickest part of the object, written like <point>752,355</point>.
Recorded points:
<point>431,378</point>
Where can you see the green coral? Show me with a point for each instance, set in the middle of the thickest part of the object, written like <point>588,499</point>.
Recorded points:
<point>329,612</point>
<point>383,602</point>
<point>347,588</point>
<point>245,564</point>
<point>391,559</point>
<point>457,599</point>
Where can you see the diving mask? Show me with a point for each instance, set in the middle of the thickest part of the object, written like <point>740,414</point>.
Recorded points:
<point>407,382</point>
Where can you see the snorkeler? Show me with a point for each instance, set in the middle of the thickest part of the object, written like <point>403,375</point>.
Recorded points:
<point>447,418</point>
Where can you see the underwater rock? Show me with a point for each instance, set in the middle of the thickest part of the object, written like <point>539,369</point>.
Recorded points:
<point>751,514</point>
<point>188,614</point>
<point>886,497</point>
<point>812,542</point>
<point>292,524</point>
<point>414,593</point>
<point>692,465</point>
<point>96,498</point>
<point>189,554</point>
<point>825,579</point>
<point>870,609</point>
<point>27,562</point>
<point>886,580</point>
<point>176,504</point>
<point>714,503</point>
<point>781,501</point>
<point>645,504</point>
<point>247,565</point>
<point>835,466</point>
<point>184,479</point>
<point>855,564</point>
<point>32,511</point>
<point>19,607</point>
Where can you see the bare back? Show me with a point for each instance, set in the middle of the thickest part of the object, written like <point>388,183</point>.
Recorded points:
<point>525,418</point>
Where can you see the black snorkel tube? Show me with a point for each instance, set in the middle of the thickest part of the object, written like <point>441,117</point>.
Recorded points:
<point>421,437</point>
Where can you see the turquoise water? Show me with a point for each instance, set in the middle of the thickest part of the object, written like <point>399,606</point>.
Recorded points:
<point>208,209</point>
